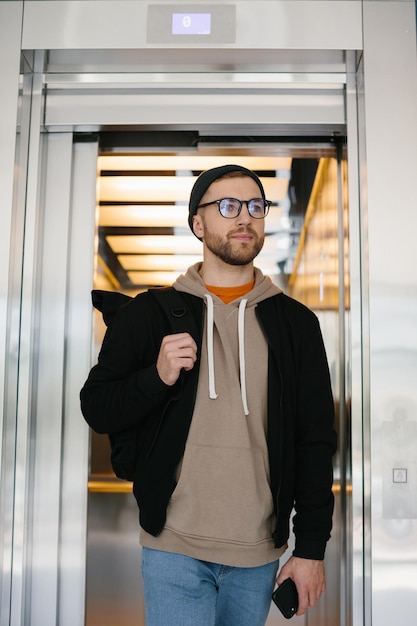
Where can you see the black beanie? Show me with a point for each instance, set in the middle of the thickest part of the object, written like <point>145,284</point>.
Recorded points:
<point>208,177</point>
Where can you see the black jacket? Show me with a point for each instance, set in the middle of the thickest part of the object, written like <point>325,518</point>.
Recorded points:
<point>124,390</point>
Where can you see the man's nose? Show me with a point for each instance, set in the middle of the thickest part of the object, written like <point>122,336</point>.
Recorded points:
<point>244,216</point>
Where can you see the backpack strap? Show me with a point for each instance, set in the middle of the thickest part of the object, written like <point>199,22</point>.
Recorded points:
<point>178,314</point>
<point>171,301</point>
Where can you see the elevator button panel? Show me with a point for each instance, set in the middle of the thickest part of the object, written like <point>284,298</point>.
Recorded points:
<point>399,475</point>
<point>399,460</point>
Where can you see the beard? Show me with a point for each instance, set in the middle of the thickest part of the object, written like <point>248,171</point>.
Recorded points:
<point>232,252</point>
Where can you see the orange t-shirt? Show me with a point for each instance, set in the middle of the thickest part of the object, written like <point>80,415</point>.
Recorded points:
<point>228,294</point>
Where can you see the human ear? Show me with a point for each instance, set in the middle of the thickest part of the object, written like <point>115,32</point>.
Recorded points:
<point>198,226</point>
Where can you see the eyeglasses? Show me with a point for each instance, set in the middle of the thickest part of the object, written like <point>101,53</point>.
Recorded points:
<point>231,207</point>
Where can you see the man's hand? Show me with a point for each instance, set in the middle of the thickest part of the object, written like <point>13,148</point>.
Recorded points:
<point>309,577</point>
<point>177,352</point>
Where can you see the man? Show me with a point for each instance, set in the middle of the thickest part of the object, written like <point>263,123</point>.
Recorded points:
<point>234,424</point>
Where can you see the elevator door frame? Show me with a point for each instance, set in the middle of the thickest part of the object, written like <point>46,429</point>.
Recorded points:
<point>385,31</point>
<point>58,162</point>
<point>222,102</point>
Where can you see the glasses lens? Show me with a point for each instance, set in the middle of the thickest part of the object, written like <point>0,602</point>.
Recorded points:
<point>258,207</point>
<point>229,207</point>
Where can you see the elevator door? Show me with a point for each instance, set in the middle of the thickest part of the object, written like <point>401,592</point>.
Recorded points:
<point>69,103</point>
<point>143,240</point>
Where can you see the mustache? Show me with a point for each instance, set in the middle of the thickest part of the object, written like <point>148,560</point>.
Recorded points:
<point>246,230</point>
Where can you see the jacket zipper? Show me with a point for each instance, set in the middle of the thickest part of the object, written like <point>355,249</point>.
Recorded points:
<point>162,418</point>
<point>274,534</point>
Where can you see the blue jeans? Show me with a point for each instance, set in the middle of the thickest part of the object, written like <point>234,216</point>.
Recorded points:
<point>182,591</point>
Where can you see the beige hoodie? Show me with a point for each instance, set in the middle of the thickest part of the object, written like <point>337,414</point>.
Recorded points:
<point>222,508</point>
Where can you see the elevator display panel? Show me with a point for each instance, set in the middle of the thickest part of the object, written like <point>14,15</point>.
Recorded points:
<point>192,24</point>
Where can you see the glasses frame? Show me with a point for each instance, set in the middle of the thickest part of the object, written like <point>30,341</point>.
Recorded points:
<point>241,203</point>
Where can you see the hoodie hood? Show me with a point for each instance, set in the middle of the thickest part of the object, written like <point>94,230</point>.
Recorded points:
<point>191,282</point>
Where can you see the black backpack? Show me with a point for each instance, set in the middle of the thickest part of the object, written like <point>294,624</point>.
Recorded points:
<point>180,319</point>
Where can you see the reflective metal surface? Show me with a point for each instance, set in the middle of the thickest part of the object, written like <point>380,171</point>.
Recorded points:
<point>357,559</point>
<point>10,33</point>
<point>90,24</point>
<point>75,439</point>
<point>26,353</point>
<point>390,87</point>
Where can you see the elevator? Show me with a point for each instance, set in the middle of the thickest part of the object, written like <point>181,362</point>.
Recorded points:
<point>307,80</point>
<point>142,200</point>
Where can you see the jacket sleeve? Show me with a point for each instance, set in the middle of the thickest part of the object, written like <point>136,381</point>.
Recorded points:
<point>315,444</point>
<point>123,389</point>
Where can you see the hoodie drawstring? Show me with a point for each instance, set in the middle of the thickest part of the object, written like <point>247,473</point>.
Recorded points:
<point>242,363</point>
<point>210,350</point>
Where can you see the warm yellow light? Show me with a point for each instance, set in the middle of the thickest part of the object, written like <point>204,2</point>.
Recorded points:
<point>164,262</point>
<point>153,278</point>
<point>155,244</point>
<point>145,188</point>
<point>170,244</point>
<point>190,162</point>
<point>169,188</point>
<point>144,215</point>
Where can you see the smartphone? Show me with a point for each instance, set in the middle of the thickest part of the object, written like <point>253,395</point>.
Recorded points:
<point>286,598</point>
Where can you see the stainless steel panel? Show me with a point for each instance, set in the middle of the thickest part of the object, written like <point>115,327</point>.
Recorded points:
<point>343,391</point>
<point>390,94</point>
<point>357,522</point>
<point>320,110</point>
<point>75,446</point>
<point>10,33</point>
<point>105,24</point>
<point>57,459</point>
<point>21,544</point>
<point>47,406</point>
<point>43,498</point>
<point>294,61</point>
